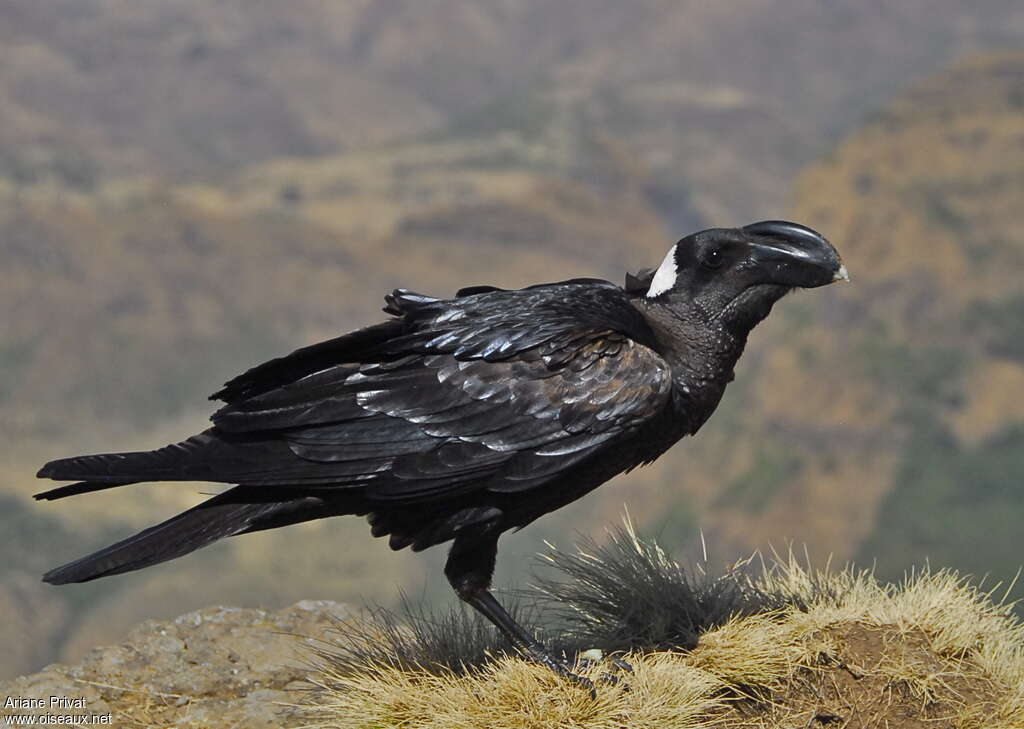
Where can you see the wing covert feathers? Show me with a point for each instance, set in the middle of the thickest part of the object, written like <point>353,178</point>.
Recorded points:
<point>493,391</point>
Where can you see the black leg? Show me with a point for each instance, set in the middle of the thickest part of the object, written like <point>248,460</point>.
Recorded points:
<point>469,569</point>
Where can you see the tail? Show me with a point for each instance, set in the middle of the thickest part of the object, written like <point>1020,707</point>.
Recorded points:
<point>236,511</point>
<point>208,456</point>
<point>82,487</point>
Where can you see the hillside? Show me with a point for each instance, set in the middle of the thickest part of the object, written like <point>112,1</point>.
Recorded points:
<point>926,199</point>
<point>96,89</point>
<point>890,422</point>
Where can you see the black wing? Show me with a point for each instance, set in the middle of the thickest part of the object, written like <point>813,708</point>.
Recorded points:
<point>501,390</point>
<point>492,392</point>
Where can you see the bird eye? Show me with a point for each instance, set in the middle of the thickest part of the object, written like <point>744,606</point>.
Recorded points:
<point>713,258</point>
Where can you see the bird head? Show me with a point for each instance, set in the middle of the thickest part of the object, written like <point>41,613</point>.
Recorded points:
<point>738,273</point>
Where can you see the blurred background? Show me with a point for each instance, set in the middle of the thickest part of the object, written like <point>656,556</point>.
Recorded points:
<point>190,187</point>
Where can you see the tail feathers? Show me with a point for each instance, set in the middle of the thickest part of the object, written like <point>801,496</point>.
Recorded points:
<point>82,487</point>
<point>219,517</point>
<point>177,462</point>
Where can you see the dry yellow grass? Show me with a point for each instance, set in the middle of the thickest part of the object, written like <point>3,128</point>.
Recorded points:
<point>664,690</point>
<point>933,651</point>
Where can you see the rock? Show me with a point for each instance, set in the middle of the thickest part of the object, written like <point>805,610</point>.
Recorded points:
<point>218,666</point>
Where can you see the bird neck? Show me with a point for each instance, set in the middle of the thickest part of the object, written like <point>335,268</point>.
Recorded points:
<point>702,351</point>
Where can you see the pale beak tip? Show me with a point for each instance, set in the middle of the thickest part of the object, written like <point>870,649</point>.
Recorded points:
<point>842,274</point>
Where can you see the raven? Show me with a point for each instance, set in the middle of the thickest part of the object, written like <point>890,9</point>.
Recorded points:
<point>458,419</point>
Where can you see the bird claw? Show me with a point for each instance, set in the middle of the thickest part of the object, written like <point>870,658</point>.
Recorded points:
<point>562,669</point>
<point>621,664</point>
<point>612,680</point>
<point>582,681</point>
<point>608,678</point>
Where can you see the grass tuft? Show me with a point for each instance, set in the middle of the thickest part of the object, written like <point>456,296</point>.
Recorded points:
<point>417,637</point>
<point>777,646</point>
<point>629,593</point>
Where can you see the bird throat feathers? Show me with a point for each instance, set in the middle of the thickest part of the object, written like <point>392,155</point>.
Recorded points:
<point>694,339</point>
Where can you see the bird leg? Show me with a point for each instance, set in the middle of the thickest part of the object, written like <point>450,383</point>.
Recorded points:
<point>468,569</point>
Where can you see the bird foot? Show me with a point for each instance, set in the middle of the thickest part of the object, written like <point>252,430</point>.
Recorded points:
<point>593,657</point>
<point>561,668</point>
<point>621,664</point>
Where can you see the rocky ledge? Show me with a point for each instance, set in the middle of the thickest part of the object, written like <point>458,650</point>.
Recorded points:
<point>220,666</point>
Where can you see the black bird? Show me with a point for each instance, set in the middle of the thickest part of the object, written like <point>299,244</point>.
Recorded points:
<point>458,419</point>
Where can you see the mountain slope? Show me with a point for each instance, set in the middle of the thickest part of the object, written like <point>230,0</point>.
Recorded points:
<point>924,202</point>
<point>721,101</point>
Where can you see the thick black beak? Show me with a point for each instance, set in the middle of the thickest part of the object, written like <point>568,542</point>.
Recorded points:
<point>791,254</point>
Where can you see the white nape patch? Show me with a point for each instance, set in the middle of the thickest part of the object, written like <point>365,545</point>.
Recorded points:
<point>665,276</point>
